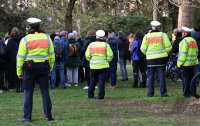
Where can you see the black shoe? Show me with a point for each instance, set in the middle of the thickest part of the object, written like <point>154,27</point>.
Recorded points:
<point>101,98</point>
<point>149,95</point>
<point>64,87</point>
<point>134,86</point>
<point>50,119</point>
<point>17,91</point>
<point>142,86</point>
<point>126,78</point>
<point>24,120</point>
<point>123,79</point>
<point>196,96</point>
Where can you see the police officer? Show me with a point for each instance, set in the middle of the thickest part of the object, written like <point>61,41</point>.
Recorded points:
<point>187,59</point>
<point>35,61</point>
<point>156,46</point>
<point>99,54</point>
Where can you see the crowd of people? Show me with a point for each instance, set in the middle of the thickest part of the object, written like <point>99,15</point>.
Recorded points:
<point>65,59</point>
<point>70,69</point>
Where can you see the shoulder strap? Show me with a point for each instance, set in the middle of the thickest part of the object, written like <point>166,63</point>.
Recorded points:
<point>106,48</point>
<point>163,46</point>
<point>48,40</point>
<point>26,42</point>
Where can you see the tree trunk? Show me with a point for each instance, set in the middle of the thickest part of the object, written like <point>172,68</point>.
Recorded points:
<point>155,13</point>
<point>68,16</point>
<point>185,16</point>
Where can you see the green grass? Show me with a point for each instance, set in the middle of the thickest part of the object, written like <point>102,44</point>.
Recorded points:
<point>121,107</point>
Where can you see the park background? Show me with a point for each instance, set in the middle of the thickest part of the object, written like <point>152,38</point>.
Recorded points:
<point>82,15</point>
<point>123,106</point>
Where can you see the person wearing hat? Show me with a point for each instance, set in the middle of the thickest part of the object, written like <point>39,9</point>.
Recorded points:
<point>35,59</point>
<point>156,46</point>
<point>187,59</point>
<point>99,54</point>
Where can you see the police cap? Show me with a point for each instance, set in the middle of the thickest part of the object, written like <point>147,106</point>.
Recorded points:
<point>155,23</point>
<point>100,33</point>
<point>33,21</point>
<point>186,29</point>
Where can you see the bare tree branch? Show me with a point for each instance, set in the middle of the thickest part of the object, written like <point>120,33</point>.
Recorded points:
<point>174,3</point>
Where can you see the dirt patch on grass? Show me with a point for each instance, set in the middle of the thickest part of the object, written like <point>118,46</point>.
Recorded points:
<point>180,109</point>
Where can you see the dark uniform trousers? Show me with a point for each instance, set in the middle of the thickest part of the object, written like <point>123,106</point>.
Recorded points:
<point>100,76</point>
<point>151,71</point>
<point>187,74</point>
<point>36,73</point>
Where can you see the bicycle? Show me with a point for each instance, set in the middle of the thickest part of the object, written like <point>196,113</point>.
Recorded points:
<point>194,85</point>
<point>172,71</point>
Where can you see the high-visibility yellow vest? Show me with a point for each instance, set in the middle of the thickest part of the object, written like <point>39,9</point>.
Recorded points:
<point>99,54</point>
<point>37,47</point>
<point>156,45</point>
<point>188,52</point>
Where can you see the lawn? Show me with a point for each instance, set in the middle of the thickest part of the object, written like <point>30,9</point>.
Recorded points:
<point>123,106</point>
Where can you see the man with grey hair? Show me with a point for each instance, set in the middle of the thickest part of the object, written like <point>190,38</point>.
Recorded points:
<point>63,39</point>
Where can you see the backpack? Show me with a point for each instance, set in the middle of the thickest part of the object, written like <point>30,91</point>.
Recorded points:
<point>139,53</point>
<point>2,48</point>
<point>59,49</point>
<point>73,50</point>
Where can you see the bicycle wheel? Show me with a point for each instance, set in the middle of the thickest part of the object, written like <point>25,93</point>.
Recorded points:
<point>194,85</point>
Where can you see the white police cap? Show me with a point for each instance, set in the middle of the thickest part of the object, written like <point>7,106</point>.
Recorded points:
<point>33,21</point>
<point>186,29</point>
<point>100,33</point>
<point>155,23</point>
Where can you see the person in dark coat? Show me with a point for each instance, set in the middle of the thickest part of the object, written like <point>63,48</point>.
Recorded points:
<point>196,36</point>
<point>2,65</point>
<point>91,37</point>
<point>72,62</point>
<point>11,53</point>
<point>123,54</point>
<point>113,42</point>
<point>81,74</point>
<point>175,46</point>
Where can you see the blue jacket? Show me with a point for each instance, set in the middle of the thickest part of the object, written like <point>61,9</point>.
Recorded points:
<point>64,42</point>
<point>134,49</point>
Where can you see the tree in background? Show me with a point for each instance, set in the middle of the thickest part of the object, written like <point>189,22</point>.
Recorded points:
<point>125,15</point>
<point>186,11</point>
<point>68,16</point>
